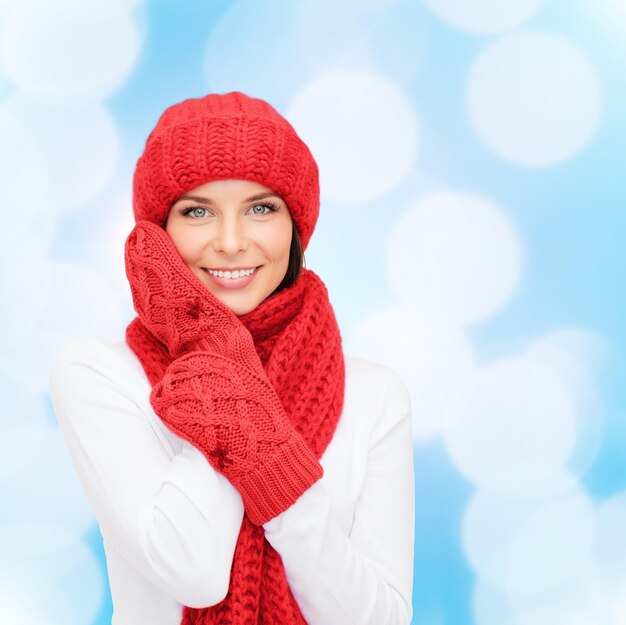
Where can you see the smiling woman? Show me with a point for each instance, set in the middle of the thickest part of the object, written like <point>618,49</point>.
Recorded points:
<point>272,475</point>
<point>240,248</point>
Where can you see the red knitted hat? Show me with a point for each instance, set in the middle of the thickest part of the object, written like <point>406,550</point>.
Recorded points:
<point>223,136</point>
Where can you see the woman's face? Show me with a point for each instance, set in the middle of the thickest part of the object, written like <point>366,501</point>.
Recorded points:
<point>238,226</point>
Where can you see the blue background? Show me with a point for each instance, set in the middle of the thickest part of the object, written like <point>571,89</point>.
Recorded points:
<point>548,252</point>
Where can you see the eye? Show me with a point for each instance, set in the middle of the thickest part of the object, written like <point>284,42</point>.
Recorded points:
<point>189,209</point>
<point>264,209</point>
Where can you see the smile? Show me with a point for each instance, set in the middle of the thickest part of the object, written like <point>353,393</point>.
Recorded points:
<point>232,275</point>
<point>237,279</point>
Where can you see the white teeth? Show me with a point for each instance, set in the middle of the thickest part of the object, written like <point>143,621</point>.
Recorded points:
<point>238,273</point>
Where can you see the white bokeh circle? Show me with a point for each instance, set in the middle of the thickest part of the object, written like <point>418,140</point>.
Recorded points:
<point>530,478</point>
<point>617,609</point>
<point>68,49</point>
<point>76,301</point>
<point>24,288</point>
<point>356,7</point>
<point>387,35</point>
<point>22,427</point>
<point>511,412</point>
<point>490,605</point>
<point>555,616</point>
<point>81,145</point>
<point>505,539</point>
<point>483,17</point>
<point>578,356</point>
<point>82,302</point>
<point>431,354</point>
<point>392,39</point>
<point>15,605</point>
<point>560,535</point>
<point>28,224</point>
<point>582,596</point>
<point>454,251</point>
<point>534,98</point>
<point>48,488</point>
<point>20,443</point>
<point>579,598</point>
<point>106,249</point>
<point>361,130</point>
<point>225,56</point>
<point>130,4</point>
<point>324,35</point>
<point>44,560</point>
<point>610,547</point>
<point>24,177</point>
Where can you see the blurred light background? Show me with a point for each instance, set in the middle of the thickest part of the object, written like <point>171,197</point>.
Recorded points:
<point>471,236</point>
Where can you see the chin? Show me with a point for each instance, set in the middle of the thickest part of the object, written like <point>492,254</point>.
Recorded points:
<point>240,308</point>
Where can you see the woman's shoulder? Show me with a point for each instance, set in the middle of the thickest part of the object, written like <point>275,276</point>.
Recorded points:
<point>369,376</point>
<point>375,389</point>
<point>89,349</point>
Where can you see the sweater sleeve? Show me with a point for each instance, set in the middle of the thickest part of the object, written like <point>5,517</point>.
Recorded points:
<point>365,577</point>
<point>170,515</point>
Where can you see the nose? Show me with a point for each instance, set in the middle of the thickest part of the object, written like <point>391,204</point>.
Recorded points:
<point>230,237</point>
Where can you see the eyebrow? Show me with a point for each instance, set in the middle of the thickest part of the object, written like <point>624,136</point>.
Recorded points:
<point>206,200</point>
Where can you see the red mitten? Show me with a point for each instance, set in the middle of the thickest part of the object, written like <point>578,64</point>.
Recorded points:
<point>215,394</point>
<point>173,303</point>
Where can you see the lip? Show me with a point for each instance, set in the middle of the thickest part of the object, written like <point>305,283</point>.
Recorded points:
<point>232,283</point>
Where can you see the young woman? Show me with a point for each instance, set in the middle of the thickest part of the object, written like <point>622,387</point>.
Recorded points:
<point>242,469</point>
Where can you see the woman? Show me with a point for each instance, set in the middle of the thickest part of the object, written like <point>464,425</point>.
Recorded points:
<point>241,469</point>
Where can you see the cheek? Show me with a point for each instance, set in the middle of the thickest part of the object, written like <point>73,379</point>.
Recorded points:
<point>186,243</point>
<point>278,242</point>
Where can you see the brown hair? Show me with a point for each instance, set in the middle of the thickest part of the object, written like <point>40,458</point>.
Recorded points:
<point>296,260</point>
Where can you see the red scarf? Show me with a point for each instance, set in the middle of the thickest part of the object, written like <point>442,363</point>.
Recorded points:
<point>297,339</point>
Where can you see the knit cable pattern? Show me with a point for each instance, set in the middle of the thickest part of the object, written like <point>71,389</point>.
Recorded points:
<point>260,395</point>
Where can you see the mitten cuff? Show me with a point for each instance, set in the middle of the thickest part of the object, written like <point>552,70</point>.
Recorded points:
<point>279,482</point>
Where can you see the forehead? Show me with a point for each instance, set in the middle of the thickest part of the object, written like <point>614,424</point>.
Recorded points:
<point>230,186</point>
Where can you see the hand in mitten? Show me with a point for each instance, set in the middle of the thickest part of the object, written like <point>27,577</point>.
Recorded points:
<point>173,303</point>
<point>215,394</point>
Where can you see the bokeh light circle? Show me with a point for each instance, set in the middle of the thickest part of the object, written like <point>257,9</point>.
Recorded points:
<point>483,16</point>
<point>431,354</point>
<point>67,48</point>
<point>456,252</point>
<point>361,130</point>
<point>504,539</point>
<point>556,616</point>
<point>24,177</point>
<point>394,39</point>
<point>510,412</point>
<point>610,547</point>
<point>43,560</point>
<point>224,54</point>
<point>35,492</point>
<point>490,605</point>
<point>578,356</point>
<point>76,301</point>
<point>534,98</point>
<point>81,145</point>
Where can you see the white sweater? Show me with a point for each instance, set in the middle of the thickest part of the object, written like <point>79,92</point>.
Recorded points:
<point>170,522</point>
